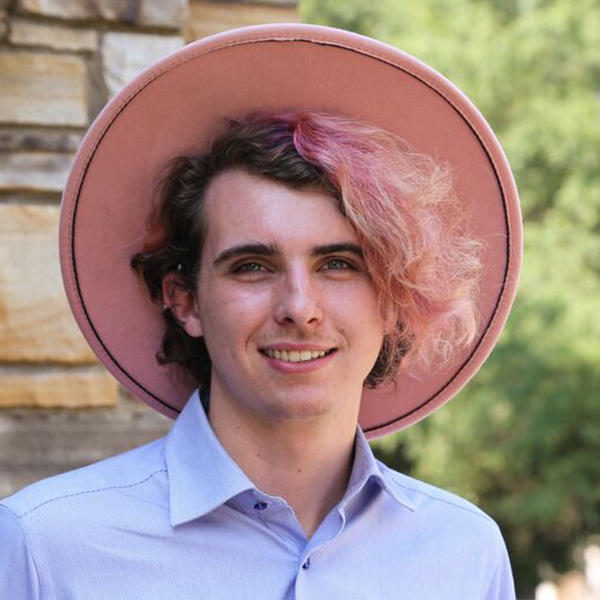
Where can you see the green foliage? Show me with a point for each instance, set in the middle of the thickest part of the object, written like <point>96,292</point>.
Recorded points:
<point>523,439</point>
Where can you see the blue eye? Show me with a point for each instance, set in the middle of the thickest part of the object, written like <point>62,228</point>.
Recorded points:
<point>337,264</point>
<point>249,267</point>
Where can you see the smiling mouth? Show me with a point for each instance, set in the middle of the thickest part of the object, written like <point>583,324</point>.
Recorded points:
<point>296,355</point>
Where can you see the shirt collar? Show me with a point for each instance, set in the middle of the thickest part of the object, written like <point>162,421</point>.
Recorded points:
<point>202,475</point>
<point>367,468</point>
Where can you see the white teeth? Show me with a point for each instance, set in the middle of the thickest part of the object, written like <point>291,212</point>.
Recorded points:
<point>295,355</point>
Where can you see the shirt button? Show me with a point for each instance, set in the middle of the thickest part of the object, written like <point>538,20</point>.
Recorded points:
<point>260,505</point>
<point>306,564</point>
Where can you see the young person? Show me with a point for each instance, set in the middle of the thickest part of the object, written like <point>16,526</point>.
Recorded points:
<point>298,260</point>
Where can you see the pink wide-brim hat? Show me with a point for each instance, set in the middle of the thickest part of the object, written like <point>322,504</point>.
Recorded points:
<point>173,108</point>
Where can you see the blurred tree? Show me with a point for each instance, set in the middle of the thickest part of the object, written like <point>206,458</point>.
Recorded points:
<point>523,440</point>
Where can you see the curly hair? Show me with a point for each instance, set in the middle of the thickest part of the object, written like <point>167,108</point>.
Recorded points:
<point>401,204</point>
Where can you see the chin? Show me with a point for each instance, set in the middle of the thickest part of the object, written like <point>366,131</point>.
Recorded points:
<point>305,406</point>
<point>305,411</point>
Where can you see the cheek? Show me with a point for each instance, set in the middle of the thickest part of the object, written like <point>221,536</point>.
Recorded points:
<point>358,316</point>
<point>233,313</point>
<point>373,322</point>
<point>363,303</point>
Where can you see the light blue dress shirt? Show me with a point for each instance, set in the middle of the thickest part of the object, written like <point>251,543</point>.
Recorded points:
<point>178,519</point>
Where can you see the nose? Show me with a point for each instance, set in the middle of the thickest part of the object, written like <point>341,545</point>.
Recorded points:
<point>298,300</point>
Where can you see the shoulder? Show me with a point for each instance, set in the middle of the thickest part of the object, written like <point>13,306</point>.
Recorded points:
<point>53,529</point>
<point>440,528</point>
<point>448,515</point>
<point>126,470</point>
<point>424,495</point>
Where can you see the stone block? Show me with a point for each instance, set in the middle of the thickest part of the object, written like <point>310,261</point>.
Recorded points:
<point>158,13</point>
<point>170,14</point>
<point>207,18</point>
<point>124,55</point>
<point>42,89</point>
<point>34,171</point>
<point>57,37</point>
<point>38,442</point>
<point>36,324</point>
<point>14,139</point>
<point>73,388</point>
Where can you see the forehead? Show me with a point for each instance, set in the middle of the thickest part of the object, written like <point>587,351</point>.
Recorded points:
<point>243,207</point>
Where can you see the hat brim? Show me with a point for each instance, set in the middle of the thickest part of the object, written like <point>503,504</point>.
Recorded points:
<point>175,106</point>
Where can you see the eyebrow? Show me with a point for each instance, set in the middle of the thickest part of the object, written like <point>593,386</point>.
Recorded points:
<point>339,247</point>
<point>259,249</point>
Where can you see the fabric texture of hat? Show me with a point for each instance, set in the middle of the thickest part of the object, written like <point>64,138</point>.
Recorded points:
<point>172,109</point>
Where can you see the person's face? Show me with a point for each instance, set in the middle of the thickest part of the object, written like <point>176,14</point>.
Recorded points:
<point>284,301</point>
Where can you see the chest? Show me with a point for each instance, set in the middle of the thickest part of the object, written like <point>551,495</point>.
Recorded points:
<point>231,556</point>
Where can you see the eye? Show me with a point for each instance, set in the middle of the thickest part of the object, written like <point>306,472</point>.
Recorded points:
<point>249,267</point>
<point>337,264</point>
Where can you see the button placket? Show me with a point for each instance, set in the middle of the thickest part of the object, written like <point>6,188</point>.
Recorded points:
<point>260,509</point>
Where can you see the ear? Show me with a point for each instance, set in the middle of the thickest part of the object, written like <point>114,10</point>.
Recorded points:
<point>182,303</point>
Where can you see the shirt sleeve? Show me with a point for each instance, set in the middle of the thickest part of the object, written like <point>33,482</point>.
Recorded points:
<point>502,586</point>
<point>18,575</point>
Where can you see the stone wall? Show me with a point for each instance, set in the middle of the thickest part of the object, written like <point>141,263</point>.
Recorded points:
<point>60,61</point>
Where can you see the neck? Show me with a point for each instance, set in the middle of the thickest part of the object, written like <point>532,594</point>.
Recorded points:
<point>307,462</point>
